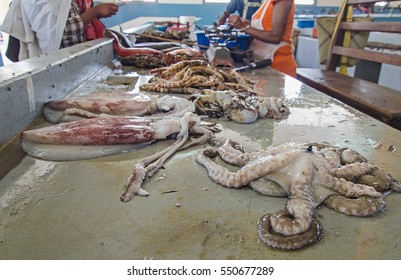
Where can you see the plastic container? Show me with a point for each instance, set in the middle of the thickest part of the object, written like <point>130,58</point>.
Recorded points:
<point>190,20</point>
<point>242,41</point>
<point>160,27</point>
<point>305,23</point>
<point>202,40</point>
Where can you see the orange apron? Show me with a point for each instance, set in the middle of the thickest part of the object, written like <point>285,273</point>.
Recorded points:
<point>281,54</point>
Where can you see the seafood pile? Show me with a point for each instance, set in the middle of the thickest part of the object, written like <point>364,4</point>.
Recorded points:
<point>146,57</point>
<point>238,107</point>
<point>110,135</point>
<point>172,30</point>
<point>309,175</point>
<point>102,124</point>
<point>181,54</point>
<point>192,76</point>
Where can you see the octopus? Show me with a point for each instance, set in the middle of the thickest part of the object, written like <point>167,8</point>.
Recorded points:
<point>309,175</point>
<point>192,76</point>
<point>240,108</point>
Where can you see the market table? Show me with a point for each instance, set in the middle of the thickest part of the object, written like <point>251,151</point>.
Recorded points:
<point>72,210</point>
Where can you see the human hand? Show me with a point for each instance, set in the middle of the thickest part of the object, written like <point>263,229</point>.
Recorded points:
<point>237,21</point>
<point>105,10</point>
<point>221,20</point>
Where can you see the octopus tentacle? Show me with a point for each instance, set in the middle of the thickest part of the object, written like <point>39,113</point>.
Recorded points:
<point>232,155</point>
<point>220,174</point>
<point>380,180</point>
<point>300,206</point>
<point>361,207</point>
<point>351,172</point>
<point>395,185</point>
<point>277,241</point>
<point>349,156</point>
<point>243,176</point>
<point>332,156</point>
<point>350,189</point>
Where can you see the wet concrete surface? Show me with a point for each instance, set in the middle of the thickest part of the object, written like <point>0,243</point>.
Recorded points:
<point>72,210</point>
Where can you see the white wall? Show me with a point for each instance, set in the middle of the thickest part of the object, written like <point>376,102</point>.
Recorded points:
<point>330,3</point>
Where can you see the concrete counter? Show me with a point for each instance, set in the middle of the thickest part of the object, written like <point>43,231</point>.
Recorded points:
<point>71,210</point>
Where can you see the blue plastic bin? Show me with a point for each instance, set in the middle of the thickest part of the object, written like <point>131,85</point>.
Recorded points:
<point>202,39</point>
<point>306,23</point>
<point>242,41</point>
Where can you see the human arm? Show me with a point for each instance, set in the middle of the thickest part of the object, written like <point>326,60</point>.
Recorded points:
<point>223,18</point>
<point>279,20</point>
<point>99,11</point>
<point>232,7</point>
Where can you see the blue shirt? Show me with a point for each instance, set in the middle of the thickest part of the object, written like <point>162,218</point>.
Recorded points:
<point>239,6</point>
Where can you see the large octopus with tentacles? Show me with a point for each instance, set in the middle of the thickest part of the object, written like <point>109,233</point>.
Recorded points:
<point>309,175</point>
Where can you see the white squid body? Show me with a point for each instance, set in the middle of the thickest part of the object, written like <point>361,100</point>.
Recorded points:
<point>98,104</point>
<point>97,137</point>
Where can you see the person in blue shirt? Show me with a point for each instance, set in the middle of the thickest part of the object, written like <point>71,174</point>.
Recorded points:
<point>245,8</point>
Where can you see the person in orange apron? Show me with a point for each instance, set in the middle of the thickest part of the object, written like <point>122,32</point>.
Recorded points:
<point>271,31</point>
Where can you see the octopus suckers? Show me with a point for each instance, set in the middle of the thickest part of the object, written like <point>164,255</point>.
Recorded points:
<point>275,240</point>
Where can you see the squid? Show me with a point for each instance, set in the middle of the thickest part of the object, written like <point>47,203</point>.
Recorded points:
<point>98,137</point>
<point>112,104</point>
<point>147,167</point>
<point>103,135</point>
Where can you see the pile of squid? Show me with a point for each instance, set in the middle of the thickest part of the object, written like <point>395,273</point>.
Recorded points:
<point>102,124</point>
<point>146,57</point>
<point>192,76</point>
